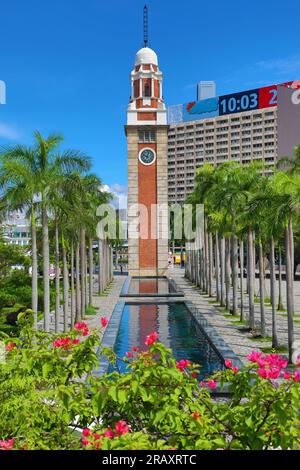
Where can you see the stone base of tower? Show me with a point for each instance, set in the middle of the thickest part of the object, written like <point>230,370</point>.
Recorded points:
<point>133,260</point>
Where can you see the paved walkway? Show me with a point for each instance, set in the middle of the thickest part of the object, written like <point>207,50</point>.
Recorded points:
<point>240,340</point>
<point>105,304</point>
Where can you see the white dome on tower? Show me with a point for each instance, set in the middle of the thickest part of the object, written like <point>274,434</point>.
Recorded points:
<point>146,56</point>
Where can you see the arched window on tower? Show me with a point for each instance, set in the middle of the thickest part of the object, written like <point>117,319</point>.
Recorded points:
<point>147,90</point>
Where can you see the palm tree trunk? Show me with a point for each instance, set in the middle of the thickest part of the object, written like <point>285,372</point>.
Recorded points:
<point>262,291</point>
<point>34,274</point>
<point>211,257</point>
<point>227,273</point>
<point>100,267</point>
<point>242,279</point>
<point>290,225</point>
<point>72,285</point>
<point>234,269</point>
<point>217,267</point>
<point>280,304</point>
<point>289,291</point>
<point>82,271</point>
<point>111,270</point>
<point>292,250</point>
<point>206,262</point>
<point>251,275</point>
<point>273,294</point>
<point>86,278</point>
<point>66,286</point>
<point>46,278</point>
<point>78,290</point>
<point>91,269</point>
<point>202,270</point>
<point>57,281</point>
<point>104,264</point>
<point>222,271</point>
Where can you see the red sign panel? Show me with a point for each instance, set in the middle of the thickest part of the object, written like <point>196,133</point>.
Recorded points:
<point>267,96</point>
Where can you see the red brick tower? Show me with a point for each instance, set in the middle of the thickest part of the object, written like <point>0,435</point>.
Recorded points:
<point>146,132</point>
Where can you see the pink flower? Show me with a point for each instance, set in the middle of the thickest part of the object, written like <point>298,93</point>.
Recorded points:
<point>129,354</point>
<point>96,437</point>
<point>7,445</point>
<point>263,373</point>
<point>121,427</point>
<point>211,384</point>
<point>297,376</point>
<point>182,364</point>
<point>286,375</point>
<point>64,343</point>
<point>254,356</point>
<point>151,338</point>
<point>109,433</point>
<point>85,442</point>
<point>75,341</point>
<point>262,362</point>
<point>202,384</point>
<point>235,370</point>
<point>10,346</point>
<point>228,363</point>
<point>97,445</point>
<point>86,432</point>
<point>282,363</point>
<point>274,373</point>
<point>104,321</point>
<point>81,326</point>
<point>135,349</point>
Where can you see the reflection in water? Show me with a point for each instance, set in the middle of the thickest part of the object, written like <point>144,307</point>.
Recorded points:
<point>176,329</point>
<point>151,286</point>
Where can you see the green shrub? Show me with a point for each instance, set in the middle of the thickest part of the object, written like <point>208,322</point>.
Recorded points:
<point>158,404</point>
<point>7,299</point>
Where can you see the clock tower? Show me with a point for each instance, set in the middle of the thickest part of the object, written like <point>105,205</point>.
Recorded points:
<point>146,132</point>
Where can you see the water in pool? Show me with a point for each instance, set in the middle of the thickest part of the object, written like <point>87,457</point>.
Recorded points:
<point>176,329</point>
<point>155,285</point>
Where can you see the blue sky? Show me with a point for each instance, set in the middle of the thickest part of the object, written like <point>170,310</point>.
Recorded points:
<point>66,63</point>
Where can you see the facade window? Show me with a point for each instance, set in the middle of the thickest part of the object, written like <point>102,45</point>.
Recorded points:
<point>147,90</point>
<point>147,136</point>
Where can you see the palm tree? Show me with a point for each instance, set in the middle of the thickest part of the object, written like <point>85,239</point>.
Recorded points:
<point>291,165</point>
<point>46,165</point>
<point>19,184</point>
<point>49,166</point>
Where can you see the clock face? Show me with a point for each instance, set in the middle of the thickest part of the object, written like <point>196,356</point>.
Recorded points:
<point>147,156</point>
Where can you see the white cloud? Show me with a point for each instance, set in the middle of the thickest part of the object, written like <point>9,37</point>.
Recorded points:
<point>287,65</point>
<point>8,132</point>
<point>120,193</point>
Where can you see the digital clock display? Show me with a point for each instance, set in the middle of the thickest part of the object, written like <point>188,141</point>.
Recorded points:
<point>244,101</point>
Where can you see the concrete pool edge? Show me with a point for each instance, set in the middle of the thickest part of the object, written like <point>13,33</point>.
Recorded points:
<point>177,291</point>
<point>110,335</point>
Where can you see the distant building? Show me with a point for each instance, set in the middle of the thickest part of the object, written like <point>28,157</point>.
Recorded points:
<point>206,90</point>
<point>16,229</point>
<point>240,127</point>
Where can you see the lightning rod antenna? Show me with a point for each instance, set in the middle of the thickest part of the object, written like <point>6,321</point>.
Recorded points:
<point>145,26</point>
